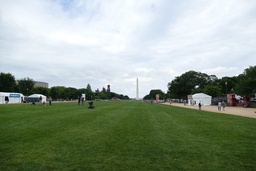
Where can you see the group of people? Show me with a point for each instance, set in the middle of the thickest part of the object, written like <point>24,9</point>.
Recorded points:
<point>50,100</point>
<point>43,102</point>
<point>221,105</point>
<point>81,99</point>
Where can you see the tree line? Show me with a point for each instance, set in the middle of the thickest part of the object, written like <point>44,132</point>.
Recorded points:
<point>192,82</point>
<point>26,86</point>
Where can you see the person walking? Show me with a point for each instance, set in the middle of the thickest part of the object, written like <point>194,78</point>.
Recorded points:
<point>219,106</point>
<point>223,105</point>
<point>199,105</point>
<point>40,100</point>
<point>83,101</point>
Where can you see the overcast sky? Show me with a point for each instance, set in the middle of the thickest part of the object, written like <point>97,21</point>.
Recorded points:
<point>73,43</point>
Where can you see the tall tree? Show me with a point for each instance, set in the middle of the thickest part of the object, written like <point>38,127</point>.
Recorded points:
<point>89,89</point>
<point>186,84</point>
<point>41,90</point>
<point>26,86</point>
<point>227,84</point>
<point>71,93</point>
<point>246,85</point>
<point>152,94</point>
<point>101,95</point>
<point>212,90</point>
<point>89,93</point>
<point>7,82</point>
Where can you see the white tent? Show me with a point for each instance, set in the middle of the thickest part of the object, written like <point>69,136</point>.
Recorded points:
<point>35,97</point>
<point>203,98</point>
<point>11,97</point>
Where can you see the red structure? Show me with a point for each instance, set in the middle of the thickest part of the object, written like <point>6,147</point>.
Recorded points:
<point>232,100</point>
<point>157,97</point>
<point>246,101</point>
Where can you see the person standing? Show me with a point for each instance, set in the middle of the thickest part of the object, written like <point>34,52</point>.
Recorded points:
<point>219,106</point>
<point>50,101</point>
<point>40,100</point>
<point>199,105</point>
<point>82,100</point>
<point>223,105</point>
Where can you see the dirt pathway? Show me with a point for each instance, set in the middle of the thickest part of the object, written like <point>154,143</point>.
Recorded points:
<point>246,112</point>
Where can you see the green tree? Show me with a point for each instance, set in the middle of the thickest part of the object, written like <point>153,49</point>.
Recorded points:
<point>152,94</point>
<point>227,84</point>
<point>101,95</point>
<point>126,97</point>
<point>58,92</point>
<point>53,92</point>
<point>26,86</point>
<point>7,82</point>
<point>188,82</point>
<point>71,93</point>
<point>212,90</point>
<point>89,93</point>
<point>246,83</point>
<point>89,89</point>
<point>41,90</point>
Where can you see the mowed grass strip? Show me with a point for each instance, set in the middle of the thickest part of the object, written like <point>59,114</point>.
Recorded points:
<point>125,135</point>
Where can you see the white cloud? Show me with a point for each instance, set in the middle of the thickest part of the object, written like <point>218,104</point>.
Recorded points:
<point>73,43</point>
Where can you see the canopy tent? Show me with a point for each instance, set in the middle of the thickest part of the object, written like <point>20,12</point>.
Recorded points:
<point>35,98</point>
<point>6,97</point>
<point>199,97</point>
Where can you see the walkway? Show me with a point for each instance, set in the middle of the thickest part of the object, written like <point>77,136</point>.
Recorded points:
<point>246,112</point>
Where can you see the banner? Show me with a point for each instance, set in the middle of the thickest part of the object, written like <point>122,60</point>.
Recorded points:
<point>14,95</point>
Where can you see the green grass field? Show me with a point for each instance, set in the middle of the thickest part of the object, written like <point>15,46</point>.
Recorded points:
<point>125,135</point>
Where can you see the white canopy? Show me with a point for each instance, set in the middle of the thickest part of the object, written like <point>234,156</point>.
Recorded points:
<point>201,97</point>
<point>11,97</point>
<point>36,96</point>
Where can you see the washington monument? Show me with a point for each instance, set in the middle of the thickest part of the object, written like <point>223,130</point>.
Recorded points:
<point>137,89</point>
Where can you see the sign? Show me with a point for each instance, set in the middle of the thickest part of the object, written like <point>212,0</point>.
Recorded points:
<point>15,95</point>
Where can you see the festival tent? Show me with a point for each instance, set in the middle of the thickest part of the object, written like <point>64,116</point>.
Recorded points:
<point>6,97</point>
<point>203,98</point>
<point>35,98</point>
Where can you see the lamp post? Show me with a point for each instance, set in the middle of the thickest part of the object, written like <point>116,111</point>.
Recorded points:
<point>226,83</point>
<point>226,91</point>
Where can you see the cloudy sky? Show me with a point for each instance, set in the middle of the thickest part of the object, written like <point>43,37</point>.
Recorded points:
<point>73,43</point>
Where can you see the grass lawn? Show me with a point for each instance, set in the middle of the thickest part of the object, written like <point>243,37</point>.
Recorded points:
<point>125,135</point>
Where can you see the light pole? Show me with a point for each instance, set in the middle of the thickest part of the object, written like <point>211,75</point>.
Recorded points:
<point>226,87</point>
<point>226,91</point>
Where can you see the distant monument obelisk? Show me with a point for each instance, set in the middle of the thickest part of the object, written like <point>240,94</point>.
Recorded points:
<point>137,89</point>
